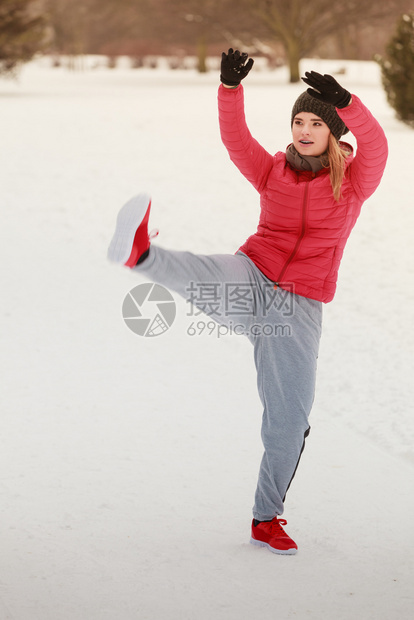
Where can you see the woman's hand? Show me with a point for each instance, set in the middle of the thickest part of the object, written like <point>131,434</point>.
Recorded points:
<point>234,67</point>
<point>326,89</point>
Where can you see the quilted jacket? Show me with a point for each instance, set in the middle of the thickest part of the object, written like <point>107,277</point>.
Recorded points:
<point>302,230</point>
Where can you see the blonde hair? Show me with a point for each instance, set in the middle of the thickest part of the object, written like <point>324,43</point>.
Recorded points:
<point>336,161</point>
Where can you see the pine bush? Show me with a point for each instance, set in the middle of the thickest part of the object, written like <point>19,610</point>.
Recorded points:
<point>22,33</point>
<point>397,68</point>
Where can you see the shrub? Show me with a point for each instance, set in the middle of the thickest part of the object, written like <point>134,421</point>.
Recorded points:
<point>397,68</point>
<point>22,33</point>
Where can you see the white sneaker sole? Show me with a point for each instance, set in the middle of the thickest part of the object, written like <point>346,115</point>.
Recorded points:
<point>259,543</point>
<point>127,223</point>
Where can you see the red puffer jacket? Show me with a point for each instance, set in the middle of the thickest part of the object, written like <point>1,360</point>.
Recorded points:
<point>302,230</point>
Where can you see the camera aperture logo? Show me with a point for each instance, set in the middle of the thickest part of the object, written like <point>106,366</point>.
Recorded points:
<point>149,310</point>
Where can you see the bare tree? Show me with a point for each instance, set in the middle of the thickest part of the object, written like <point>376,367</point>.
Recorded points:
<point>301,25</point>
<point>92,26</point>
<point>195,23</point>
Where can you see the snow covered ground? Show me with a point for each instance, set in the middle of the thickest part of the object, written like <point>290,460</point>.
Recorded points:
<point>128,464</point>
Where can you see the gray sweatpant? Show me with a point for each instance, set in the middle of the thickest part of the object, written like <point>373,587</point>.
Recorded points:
<point>284,329</point>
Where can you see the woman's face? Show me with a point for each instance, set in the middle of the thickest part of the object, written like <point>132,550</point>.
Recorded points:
<point>310,134</point>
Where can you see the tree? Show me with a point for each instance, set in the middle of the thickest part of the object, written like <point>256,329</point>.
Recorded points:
<point>301,26</point>
<point>398,69</point>
<point>22,33</point>
<point>86,26</point>
<point>196,24</point>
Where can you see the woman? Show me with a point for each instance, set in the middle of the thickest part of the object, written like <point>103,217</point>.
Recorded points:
<point>310,198</point>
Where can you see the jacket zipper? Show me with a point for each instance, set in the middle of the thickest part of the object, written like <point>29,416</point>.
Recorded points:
<point>300,237</point>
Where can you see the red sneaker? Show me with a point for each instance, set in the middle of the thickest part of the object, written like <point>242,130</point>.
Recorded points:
<point>271,534</point>
<point>131,239</point>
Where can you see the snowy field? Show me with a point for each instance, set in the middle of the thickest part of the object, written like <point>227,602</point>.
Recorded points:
<point>128,464</point>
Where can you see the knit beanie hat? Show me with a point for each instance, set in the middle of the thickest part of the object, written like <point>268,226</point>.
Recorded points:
<point>325,111</point>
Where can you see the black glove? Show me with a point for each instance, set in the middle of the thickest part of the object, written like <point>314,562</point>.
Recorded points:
<point>234,67</point>
<point>326,89</point>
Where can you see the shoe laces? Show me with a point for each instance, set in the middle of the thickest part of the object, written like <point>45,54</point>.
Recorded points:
<point>277,525</point>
